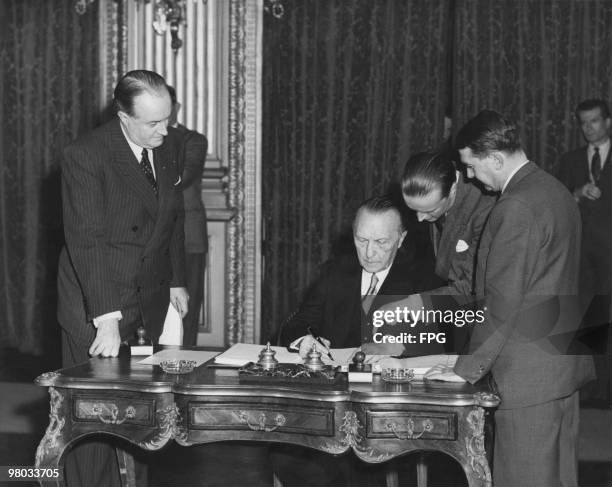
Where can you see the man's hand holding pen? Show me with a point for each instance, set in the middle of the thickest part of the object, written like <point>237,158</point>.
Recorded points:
<point>305,344</point>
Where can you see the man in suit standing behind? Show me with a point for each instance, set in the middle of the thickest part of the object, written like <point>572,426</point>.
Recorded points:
<point>192,155</point>
<point>527,270</point>
<point>587,173</point>
<point>123,261</point>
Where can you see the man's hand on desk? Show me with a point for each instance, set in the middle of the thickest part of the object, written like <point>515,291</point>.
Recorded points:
<point>107,339</point>
<point>401,311</point>
<point>443,373</point>
<point>382,348</point>
<point>180,300</point>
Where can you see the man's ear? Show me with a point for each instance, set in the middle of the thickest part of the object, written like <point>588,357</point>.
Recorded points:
<point>401,239</point>
<point>498,159</point>
<point>122,116</point>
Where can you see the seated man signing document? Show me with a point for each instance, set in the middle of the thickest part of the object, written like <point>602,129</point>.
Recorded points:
<point>339,306</point>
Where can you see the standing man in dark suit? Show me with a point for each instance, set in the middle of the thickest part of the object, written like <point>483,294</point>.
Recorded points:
<point>123,261</point>
<point>527,270</point>
<point>192,155</point>
<point>587,173</point>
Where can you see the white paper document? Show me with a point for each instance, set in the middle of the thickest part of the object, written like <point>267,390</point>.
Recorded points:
<point>172,333</point>
<point>200,356</point>
<point>243,353</point>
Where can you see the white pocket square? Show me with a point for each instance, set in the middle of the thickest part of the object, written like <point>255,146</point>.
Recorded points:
<point>178,181</point>
<point>461,246</point>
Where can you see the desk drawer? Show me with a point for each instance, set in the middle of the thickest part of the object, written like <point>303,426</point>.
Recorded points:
<point>114,410</point>
<point>244,416</point>
<point>411,425</point>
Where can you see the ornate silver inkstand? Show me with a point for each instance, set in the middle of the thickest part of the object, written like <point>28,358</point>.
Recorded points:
<point>313,360</point>
<point>266,358</point>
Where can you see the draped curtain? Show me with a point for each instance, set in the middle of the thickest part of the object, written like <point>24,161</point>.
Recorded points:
<point>533,60</point>
<point>350,89</point>
<point>49,78</point>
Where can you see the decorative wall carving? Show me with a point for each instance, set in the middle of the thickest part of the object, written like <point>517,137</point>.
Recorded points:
<point>244,172</point>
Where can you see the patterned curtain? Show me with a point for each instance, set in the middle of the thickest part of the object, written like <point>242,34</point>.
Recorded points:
<point>49,74</point>
<point>533,60</point>
<point>350,89</point>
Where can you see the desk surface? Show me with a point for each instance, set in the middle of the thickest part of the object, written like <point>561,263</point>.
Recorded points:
<point>126,374</point>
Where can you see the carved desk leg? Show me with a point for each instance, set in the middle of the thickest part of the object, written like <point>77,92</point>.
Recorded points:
<point>479,471</point>
<point>51,447</point>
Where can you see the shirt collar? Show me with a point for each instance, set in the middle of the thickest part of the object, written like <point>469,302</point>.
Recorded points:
<point>605,147</point>
<point>366,277</point>
<point>136,149</point>
<point>511,175</point>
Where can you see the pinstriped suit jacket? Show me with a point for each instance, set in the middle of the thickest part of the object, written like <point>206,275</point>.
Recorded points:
<point>124,246</point>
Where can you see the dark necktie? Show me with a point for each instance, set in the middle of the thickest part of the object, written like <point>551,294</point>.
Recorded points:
<point>145,164</point>
<point>368,297</point>
<point>596,165</point>
<point>439,223</point>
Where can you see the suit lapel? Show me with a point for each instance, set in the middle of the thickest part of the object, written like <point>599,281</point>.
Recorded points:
<point>166,172</point>
<point>126,164</point>
<point>455,222</point>
<point>583,167</point>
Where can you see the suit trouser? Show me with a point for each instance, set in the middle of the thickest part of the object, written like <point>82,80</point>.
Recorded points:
<point>596,287</point>
<point>194,278</point>
<point>93,462</point>
<point>536,446</point>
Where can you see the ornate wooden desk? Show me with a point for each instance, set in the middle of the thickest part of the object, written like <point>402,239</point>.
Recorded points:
<point>378,421</point>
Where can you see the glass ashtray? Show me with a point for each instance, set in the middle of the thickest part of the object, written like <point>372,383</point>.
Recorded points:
<point>175,366</point>
<point>397,375</point>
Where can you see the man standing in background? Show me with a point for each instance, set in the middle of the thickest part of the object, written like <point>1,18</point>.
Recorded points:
<point>123,261</point>
<point>587,173</point>
<point>192,155</point>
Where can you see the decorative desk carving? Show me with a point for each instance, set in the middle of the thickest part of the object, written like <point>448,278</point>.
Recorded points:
<point>260,425</point>
<point>475,445</point>
<point>50,441</point>
<point>168,419</point>
<point>409,433</point>
<point>290,373</point>
<point>100,408</point>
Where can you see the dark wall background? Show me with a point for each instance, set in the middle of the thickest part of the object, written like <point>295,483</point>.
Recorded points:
<point>353,87</point>
<point>49,74</point>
